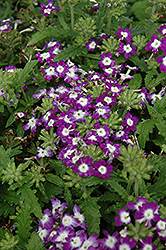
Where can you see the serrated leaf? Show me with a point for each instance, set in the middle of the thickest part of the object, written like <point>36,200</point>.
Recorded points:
<point>135,83</point>
<point>1,108</point>
<point>59,167</point>
<point>55,180</point>
<point>143,129</point>
<point>31,199</point>
<point>4,157</point>
<point>91,181</point>
<point>10,120</point>
<point>118,188</point>
<point>68,197</point>
<point>92,214</point>
<point>69,52</point>
<point>23,223</point>
<point>161,77</point>
<point>139,63</point>
<point>51,31</point>
<point>34,243</point>
<point>149,77</point>
<point>101,13</point>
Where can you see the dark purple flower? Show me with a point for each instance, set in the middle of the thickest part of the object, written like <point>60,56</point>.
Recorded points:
<point>111,241</point>
<point>47,221</point>
<point>162,60</point>
<point>71,75</point>
<point>103,112</point>
<point>124,34</point>
<point>83,167</point>
<point>124,217</point>
<point>162,29</point>
<point>129,122</point>
<point>127,49</point>
<point>80,217</point>
<point>111,149</point>
<point>126,243</point>
<point>147,244</point>
<point>49,72</point>
<point>92,44</point>
<point>156,44</point>
<point>47,9</point>
<point>61,68</point>
<point>103,169</point>
<point>106,62</point>
<point>140,200</point>
<point>10,68</point>
<point>147,213</point>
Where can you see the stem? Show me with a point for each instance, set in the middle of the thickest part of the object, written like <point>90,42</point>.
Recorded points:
<point>60,5</point>
<point>109,21</point>
<point>136,188</point>
<point>129,187</point>
<point>72,16</point>
<point>25,96</point>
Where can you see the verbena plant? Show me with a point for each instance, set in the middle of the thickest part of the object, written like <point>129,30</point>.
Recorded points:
<point>83,125</point>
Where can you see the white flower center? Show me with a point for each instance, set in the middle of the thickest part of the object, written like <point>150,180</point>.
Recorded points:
<point>148,214</point>
<point>65,131</point>
<point>93,138</point>
<point>101,111</point>
<point>164,61</point>
<point>108,99</point>
<point>73,95</point>
<point>101,132</point>
<point>120,133</point>
<point>161,225</point>
<point>53,233</point>
<point>61,90</point>
<point>67,220</point>
<point>45,55</point>
<point>125,217</point>
<point>76,242</point>
<point>83,168</point>
<point>124,247</point>
<point>110,242</point>
<point>127,48</point>
<point>62,237</point>
<point>114,89</point>
<point>164,31</point>
<point>129,122</point>
<point>69,152</point>
<point>147,247</point>
<point>102,169</point>
<point>51,122</point>
<point>111,148</point>
<point>156,43</point>
<point>92,45</point>
<point>124,34</point>
<point>83,101</point>
<point>107,61</point>
<point>50,71</point>
<point>60,69</point>
<point>32,122</point>
<point>79,114</point>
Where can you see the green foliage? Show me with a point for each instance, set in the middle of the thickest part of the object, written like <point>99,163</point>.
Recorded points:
<point>130,99</point>
<point>92,214</point>
<point>143,129</point>
<point>31,200</point>
<point>23,224</point>
<point>34,242</point>
<point>9,242</point>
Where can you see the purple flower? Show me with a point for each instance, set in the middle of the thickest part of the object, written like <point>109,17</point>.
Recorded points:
<point>102,169</point>
<point>147,213</point>
<point>84,167</point>
<point>124,217</point>
<point>91,45</point>
<point>158,96</point>
<point>58,208</point>
<point>91,138</point>
<point>47,221</point>
<point>5,25</point>
<point>44,56</point>
<point>111,241</point>
<point>80,217</point>
<point>91,243</point>
<point>144,95</point>
<point>47,152</point>
<point>95,76</point>
<point>126,243</point>
<point>102,132</point>
<point>39,95</point>
<point>61,68</point>
<point>110,149</point>
<point>162,60</point>
<point>147,244</point>
<point>106,62</point>
<point>32,124</point>
<point>121,135</point>
<point>84,102</point>
<point>10,68</point>
<point>75,240</point>
<point>129,122</point>
<point>156,44</point>
<point>69,221</point>
<point>47,9</point>
<point>71,75</point>
<point>126,49</point>
<point>50,72</point>
<point>103,112</point>
<point>140,200</point>
<point>124,34</point>
<point>162,29</point>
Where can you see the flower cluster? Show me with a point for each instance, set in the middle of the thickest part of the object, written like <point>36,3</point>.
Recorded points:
<point>60,230</point>
<point>47,9</point>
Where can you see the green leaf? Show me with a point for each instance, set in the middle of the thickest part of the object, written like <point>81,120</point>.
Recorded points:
<point>91,181</point>
<point>62,21</point>
<point>118,188</point>
<point>148,78</point>
<point>68,197</point>
<point>58,166</point>
<point>69,52</point>
<point>34,243</point>
<point>135,83</point>
<point>10,120</point>
<point>51,31</point>
<point>4,157</point>
<point>101,13</point>
<point>161,77</point>
<point>31,199</point>
<point>55,180</point>
<point>143,129</point>
<point>1,108</point>
<point>24,74</point>
<point>92,214</point>
<point>140,63</point>
<point>23,223</point>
